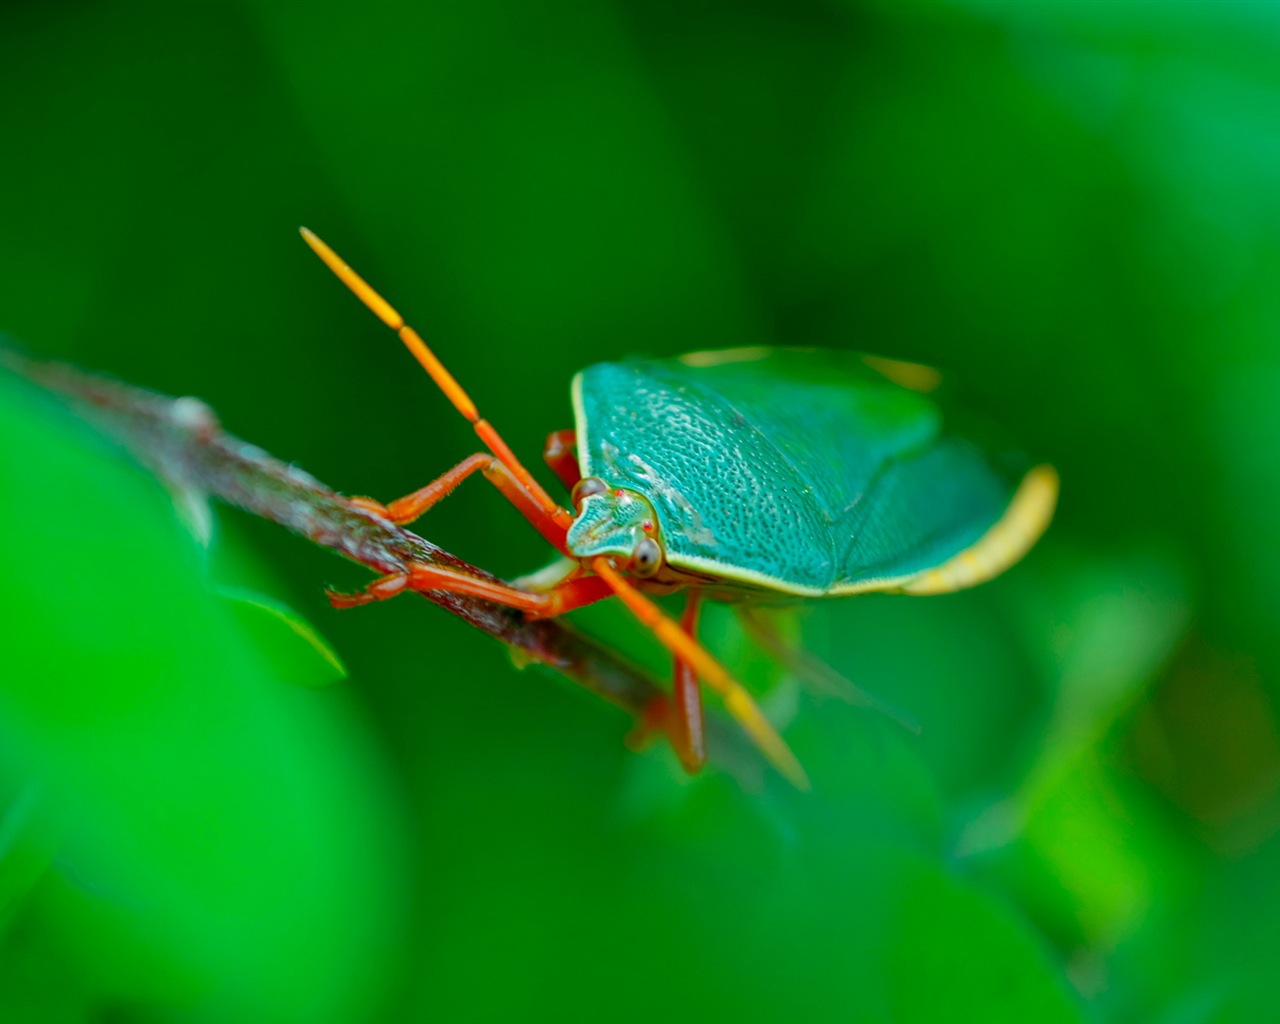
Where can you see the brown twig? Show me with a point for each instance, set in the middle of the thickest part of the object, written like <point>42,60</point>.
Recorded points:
<point>183,442</point>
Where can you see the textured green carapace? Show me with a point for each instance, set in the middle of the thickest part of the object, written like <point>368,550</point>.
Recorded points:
<point>801,471</point>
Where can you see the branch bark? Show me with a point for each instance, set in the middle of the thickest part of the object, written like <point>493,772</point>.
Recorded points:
<point>181,440</point>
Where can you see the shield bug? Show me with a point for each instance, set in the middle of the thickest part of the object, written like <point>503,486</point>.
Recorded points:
<point>740,475</point>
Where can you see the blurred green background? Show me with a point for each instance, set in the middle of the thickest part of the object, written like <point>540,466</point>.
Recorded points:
<point>1073,207</point>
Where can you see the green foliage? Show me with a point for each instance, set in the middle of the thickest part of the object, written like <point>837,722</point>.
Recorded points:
<point>186,821</point>
<point>1068,206</point>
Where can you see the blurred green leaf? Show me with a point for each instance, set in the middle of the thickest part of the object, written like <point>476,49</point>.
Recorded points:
<point>1069,206</point>
<point>223,838</point>
<point>310,661</point>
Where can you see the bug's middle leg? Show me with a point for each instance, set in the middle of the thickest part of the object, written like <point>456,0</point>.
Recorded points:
<point>685,727</point>
<point>679,717</point>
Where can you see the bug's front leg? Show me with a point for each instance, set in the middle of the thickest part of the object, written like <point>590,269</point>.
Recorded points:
<point>567,595</point>
<point>413,506</point>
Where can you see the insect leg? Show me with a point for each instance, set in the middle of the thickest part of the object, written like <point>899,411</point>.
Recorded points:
<point>566,596</point>
<point>688,736</point>
<point>583,590</point>
<point>561,454</point>
<point>679,717</point>
<point>442,377</point>
<point>736,700</point>
<point>412,506</point>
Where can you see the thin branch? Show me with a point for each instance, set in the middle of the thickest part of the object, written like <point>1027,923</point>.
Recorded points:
<point>184,444</point>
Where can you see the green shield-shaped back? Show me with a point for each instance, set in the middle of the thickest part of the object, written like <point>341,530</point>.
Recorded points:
<point>793,470</point>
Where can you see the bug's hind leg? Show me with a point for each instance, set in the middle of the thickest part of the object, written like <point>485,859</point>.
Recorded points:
<point>560,453</point>
<point>813,670</point>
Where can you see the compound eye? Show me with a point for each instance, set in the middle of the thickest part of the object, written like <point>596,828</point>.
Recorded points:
<point>647,557</point>
<point>584,488</point>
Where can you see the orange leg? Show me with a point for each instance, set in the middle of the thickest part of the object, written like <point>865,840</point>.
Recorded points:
<point>412,506</point>
<point>561,454</point>
<point>680,716</point>
<point>685,728</point>
<point>578,591</point>
<point>564,597</point>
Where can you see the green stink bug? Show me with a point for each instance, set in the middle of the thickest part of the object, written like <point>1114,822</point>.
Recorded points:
<point>737,474</point>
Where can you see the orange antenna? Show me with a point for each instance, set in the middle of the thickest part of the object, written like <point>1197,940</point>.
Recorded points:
<point>736,700</point>
<point>443,378</point>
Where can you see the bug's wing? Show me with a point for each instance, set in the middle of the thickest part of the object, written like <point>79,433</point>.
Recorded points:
<point>922,511</point>
<point>901,480</point>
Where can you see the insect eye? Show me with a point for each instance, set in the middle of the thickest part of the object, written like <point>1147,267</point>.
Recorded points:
<point>647,526</point>
<point>647,557</point>
<point>584,488</point>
